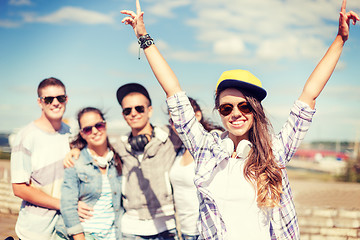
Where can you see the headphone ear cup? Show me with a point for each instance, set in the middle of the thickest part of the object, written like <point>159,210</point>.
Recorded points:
<point>138,143</point>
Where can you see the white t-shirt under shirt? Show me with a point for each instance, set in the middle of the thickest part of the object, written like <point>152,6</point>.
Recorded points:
<point>236,199</point>
<point>37,159</point>
<point>185,195</point>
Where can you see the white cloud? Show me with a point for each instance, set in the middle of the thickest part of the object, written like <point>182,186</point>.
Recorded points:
<point>20,2</point>
<point>290,47</point>
<point>165,8</point>
<point>8,24</point>
<point>264,29</point>
<point>71,14</point>
<point>229,46</point>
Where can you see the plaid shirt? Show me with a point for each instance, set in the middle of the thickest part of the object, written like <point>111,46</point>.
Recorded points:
<point>209,149</point>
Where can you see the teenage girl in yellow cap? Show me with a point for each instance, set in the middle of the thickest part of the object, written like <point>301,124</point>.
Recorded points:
<point>240,176</point>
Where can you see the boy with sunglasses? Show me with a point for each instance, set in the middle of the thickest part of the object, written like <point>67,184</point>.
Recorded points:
<point>37,163</point>
<point>147,154</point>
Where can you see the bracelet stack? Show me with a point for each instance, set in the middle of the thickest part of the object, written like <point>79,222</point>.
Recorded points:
<point>145,41</point>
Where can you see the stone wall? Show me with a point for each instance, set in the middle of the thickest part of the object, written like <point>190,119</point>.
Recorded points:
<point>319,223</point>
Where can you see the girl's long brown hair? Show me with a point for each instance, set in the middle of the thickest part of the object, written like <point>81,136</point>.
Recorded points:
<point>261,169</point>
<point>79,142</point>
<point>208,126</point>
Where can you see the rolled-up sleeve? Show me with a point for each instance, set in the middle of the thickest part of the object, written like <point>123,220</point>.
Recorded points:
<point>293,131</point>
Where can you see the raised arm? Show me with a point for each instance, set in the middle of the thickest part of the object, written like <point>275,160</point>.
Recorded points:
<point>158,64</point>
<point>321,74</point>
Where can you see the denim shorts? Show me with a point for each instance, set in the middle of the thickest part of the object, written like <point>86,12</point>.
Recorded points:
<point>166,235</point>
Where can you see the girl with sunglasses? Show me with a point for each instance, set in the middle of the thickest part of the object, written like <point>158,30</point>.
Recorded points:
<point>95,179</point>
<point>181,176</point>
<point>241,175</point>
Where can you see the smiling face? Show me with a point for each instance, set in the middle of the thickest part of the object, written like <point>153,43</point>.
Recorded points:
<point>55,110</point>
<point>97,137</point>
<point>237,123</point>
<point>137,120</point>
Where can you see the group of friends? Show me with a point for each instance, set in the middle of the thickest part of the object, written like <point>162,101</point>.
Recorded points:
<point>190,179</point>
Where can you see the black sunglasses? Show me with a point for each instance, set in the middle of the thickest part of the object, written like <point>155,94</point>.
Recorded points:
<point>49,100</point>
<point>227,108</point>
<point>139,109</point>
<point>100,126</point>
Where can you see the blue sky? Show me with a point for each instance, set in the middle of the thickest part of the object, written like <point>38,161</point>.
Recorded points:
<point>84,44</point>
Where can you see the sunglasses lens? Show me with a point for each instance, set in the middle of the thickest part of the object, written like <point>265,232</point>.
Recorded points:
<point>87,130</point>
<point>244,107</point>
<point>225,109</point>
<point>140,109</point>
<point>48,100</point>
<point>100,126</point>
<point>61,98</point>
<point>126,111</point>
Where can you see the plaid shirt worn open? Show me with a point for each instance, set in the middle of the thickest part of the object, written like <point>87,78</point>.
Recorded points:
<point>208,151</point>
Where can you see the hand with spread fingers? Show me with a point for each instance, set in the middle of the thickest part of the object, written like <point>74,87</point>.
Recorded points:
<point>136,20</point>
<point>344,21</point>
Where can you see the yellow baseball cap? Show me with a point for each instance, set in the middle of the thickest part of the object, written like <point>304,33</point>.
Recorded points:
<point>242,80</point>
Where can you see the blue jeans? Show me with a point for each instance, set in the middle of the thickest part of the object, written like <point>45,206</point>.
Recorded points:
<point>189,237</point>
<point>166,235</point>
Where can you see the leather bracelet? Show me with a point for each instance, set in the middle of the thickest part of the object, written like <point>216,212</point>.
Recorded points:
<point>145,41</point>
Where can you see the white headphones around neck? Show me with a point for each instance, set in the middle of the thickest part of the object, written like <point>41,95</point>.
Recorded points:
<point>103,161</point>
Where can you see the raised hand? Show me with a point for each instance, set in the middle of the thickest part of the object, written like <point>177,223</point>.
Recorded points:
<point>136,20</point>
<point>344,21</point>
